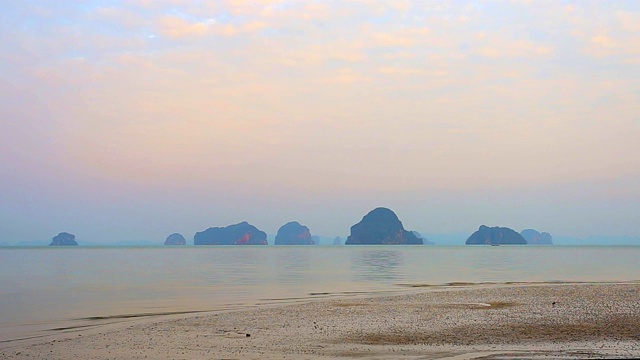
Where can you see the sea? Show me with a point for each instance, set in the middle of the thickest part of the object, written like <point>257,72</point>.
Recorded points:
<point>47,290</point>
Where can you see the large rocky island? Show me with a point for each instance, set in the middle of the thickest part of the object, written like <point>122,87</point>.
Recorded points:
<point>237,234</point>
<point>175,239</point>
<point>293,233</point>
<point>381,226</point>
<point>535,237</point>
<point>495,236</point>
<point>64,239</point>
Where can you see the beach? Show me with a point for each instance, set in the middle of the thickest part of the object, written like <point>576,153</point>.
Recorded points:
<point>458,321</point>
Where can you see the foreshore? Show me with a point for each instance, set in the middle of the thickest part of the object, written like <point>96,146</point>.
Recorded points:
<point>505,321</point>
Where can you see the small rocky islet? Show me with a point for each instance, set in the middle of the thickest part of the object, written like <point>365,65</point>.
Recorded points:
<point>64,239</point>
<point>293,233</point>
<point>495,236</point>
<point>175,239</point>
<point>381,226</point>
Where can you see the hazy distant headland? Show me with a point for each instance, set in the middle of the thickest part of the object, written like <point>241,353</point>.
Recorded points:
<point>535,237</point>
<point>425,241</point>
<point>381,226</point>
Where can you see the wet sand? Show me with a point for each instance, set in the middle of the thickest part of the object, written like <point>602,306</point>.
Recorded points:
<point>589,320</point>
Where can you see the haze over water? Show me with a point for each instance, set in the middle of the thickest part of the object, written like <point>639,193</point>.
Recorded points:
<point>48,288</point>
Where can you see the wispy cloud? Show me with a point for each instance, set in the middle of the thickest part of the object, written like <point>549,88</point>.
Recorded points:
<point>177,27</point>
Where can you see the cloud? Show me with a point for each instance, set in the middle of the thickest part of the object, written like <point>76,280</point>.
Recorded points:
<point>321,54</point>
<point>177,27</point>
<point>121,16</point>
<point>496,46</point>
<point>396,70</point>
<point>630,21</point>
<point>398,38</point>
<point>603,41</point>
<point>391,40</point>
<point>625,49</point>
<point>346,76</point>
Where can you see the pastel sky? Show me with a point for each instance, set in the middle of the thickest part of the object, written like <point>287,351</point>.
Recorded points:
<point>133,119</point>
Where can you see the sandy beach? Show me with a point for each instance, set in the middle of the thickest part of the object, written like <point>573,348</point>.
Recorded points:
<point>462,321</point>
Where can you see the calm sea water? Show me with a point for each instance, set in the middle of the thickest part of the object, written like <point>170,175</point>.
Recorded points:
<point>42,289</point>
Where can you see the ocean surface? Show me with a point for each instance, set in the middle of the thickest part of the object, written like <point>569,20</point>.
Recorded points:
<point>44,290</point>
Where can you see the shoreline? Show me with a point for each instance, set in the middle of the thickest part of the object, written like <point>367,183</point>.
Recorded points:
<point>52,330</point>
<point>550,320</point>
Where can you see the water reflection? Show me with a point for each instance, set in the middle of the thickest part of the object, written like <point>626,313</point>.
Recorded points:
<point>231,265</point>
<point>293,265</point>
<point>503,263</point>
<point>495,259</point>
<point>377,265</point>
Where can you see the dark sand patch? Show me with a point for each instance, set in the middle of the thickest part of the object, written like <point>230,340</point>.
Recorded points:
<point>617,329</point>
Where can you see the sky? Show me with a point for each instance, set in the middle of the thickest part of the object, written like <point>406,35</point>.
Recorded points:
<point>134,119</point>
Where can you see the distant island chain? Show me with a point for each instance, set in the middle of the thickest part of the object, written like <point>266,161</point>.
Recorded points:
<point>380,226</point>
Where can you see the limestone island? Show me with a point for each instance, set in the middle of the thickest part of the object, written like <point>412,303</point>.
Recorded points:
<point>292,233</point>
<point>381,226</point>
<point>175,239</point>
<point>64,239</point>
<point>237,234</point>
<point>534,237</point>
<point>495,236</point>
